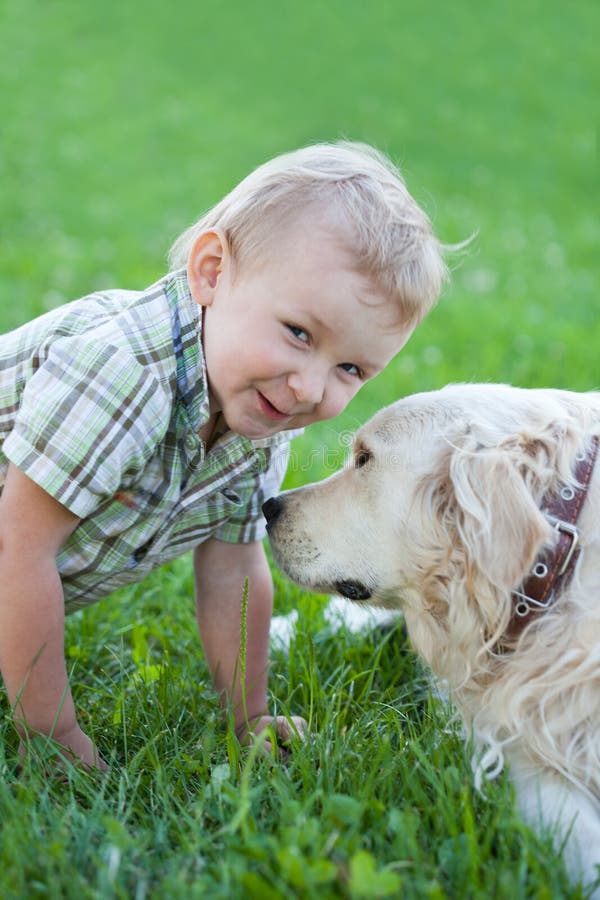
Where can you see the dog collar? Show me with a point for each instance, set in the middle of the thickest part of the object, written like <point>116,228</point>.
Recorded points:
<point>554,566</point>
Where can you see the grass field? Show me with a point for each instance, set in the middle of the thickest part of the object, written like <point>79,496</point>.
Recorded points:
<point>121,123</point>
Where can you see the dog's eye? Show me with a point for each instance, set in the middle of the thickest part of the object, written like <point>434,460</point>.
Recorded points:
<point>362,458</point>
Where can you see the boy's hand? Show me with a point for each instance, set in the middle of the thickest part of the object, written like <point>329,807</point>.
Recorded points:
<point>221,570</point>
<point>284,730</point>
<point>33,528</point>
<point>78,748</point>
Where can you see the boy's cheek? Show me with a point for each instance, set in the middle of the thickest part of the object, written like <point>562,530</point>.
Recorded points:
<point>344,398</point>
<point>334,408</point>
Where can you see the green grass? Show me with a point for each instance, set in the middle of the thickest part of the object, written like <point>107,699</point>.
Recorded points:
<point>121,123</point>
<point>378,803</point>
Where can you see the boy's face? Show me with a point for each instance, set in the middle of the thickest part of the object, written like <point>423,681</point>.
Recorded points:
<point>293,337</point>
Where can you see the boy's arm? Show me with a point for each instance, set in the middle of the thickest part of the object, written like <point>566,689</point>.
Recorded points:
<point>220,571</point>
<point>33,527</point>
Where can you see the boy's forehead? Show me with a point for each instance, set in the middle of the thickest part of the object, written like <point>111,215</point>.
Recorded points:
<point>312,266</point>
<point>311,228</point>
<point>379,313</point>
<point>329,239</point>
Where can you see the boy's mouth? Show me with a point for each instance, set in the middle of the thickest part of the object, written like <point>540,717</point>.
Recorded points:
<point>270,411</point>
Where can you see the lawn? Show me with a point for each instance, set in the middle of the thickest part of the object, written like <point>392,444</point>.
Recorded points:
<point>122,122</point>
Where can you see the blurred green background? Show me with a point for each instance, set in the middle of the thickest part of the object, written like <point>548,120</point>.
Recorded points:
<point>123,121</point>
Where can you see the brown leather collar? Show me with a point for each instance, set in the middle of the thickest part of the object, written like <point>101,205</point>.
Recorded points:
<point>553,567</point>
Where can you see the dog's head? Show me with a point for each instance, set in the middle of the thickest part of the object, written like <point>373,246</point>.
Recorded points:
<point>437,512</point>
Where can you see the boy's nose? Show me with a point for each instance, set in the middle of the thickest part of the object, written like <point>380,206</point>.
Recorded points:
<point>308,387</point>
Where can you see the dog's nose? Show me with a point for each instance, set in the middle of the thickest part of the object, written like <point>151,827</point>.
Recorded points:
<point>271,509</point>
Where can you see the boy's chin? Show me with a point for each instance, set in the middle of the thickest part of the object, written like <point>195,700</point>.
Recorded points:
<point>258,433</point>
<point>257,429</point>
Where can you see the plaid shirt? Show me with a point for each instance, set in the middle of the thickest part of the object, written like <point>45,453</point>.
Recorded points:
<point>101,401</point>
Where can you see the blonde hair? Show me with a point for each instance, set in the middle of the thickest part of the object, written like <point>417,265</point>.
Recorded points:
<point>390,235</point>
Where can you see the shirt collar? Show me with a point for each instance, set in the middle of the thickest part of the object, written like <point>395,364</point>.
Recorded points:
<point>192,379</point>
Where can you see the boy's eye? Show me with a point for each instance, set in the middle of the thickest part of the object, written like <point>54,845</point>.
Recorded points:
<point>352,369</point>
<point>299,333</point>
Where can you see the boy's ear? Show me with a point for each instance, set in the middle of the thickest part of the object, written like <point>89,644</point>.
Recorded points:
<point>205,264</point>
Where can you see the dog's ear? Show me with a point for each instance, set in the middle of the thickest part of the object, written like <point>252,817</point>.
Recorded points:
<point>497,490</point>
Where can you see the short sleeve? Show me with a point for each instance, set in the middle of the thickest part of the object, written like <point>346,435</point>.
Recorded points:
<point>247,524</point>
<point>90,415</point>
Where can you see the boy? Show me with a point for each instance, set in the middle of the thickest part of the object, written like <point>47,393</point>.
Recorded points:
<point>137,426</point>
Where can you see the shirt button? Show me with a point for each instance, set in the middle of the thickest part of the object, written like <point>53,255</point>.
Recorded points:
<point>191,441</point>
<point>194,462</point>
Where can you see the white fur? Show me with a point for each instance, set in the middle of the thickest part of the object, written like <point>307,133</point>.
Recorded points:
<point>337,614</point>
<point>443,521</point>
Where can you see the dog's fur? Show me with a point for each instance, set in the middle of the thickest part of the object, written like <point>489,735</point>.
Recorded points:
<point>438,514</point>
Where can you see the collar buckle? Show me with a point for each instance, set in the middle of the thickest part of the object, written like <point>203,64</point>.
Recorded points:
<point>571,531</point>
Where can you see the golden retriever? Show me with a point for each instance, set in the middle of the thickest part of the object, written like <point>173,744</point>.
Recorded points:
<point>442,513</point>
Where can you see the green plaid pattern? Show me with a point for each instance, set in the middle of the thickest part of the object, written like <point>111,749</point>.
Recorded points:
<point>101,401</point>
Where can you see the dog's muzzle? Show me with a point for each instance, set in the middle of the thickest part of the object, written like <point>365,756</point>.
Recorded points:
<point>352,590</point>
